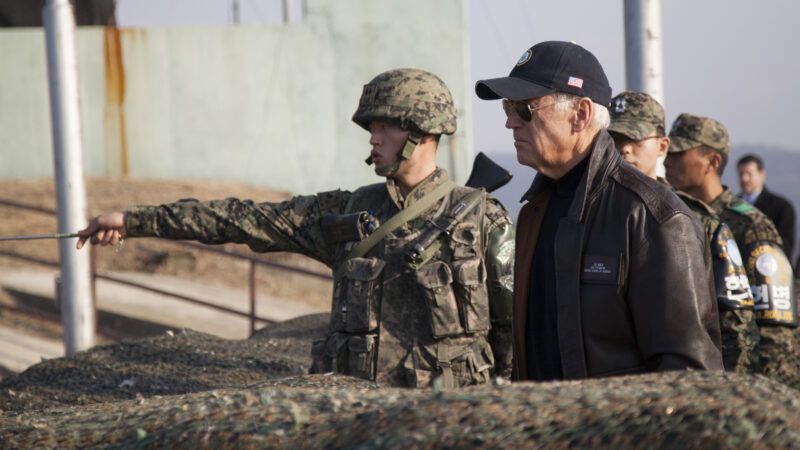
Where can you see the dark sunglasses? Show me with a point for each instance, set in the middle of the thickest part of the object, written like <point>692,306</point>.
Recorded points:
<point>523,109</point>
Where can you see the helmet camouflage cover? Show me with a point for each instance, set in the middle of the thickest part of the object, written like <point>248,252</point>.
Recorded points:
<point>690,131</point>
<point>414,99</point>
<point>636,115</point>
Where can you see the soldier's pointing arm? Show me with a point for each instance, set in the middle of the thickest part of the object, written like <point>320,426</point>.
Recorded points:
<point>292,226</point>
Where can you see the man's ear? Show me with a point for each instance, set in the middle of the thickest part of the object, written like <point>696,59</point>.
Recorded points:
<point>714,161</point>
<point>427,138</point>
<point>663,146</point>
<point>430,139</point>
<point>583,114</point>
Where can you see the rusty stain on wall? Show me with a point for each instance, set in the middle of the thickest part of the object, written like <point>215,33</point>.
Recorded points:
<point>116,139</point>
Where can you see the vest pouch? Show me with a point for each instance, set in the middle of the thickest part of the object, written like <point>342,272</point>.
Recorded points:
<point>465,241</point>
<point>344,227</point>
<point>361,356</point>
<point>460,365</point>
<point>327,354</point>
<point>435,281</point>
<point>470,289</point>
<point>360,292</point>
<point>479,365</point>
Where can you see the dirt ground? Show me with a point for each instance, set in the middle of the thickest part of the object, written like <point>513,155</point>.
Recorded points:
<point>152,255</point>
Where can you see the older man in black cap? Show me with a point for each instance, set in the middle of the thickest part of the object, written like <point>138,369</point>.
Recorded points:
<point>611,275</point>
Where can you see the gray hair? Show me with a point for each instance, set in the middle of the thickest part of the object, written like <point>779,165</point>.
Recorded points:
<point>601,118</point>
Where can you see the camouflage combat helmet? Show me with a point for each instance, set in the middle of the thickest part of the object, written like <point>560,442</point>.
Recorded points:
<point>415,100</point>
<point>689,131</point>
<point>636,115</point>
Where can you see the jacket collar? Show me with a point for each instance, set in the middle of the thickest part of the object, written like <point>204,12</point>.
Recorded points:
<point>431,182</point>
<point>603,160</point>
<point>724,199</point>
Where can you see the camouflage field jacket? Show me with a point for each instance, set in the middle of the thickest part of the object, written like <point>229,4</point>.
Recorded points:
<point>778,351</point>
<point>739,332</point>
<point>450,317</point>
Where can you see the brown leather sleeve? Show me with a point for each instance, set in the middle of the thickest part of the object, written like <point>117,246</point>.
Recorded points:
<point>671,297</point>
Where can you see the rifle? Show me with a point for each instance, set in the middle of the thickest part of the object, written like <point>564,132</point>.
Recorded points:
<point>486,176</point>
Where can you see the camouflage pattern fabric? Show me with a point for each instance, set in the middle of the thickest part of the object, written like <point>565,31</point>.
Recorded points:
<point>414,99</point>
<point>666,410</point>
<point>779,347</point>
<point>740,334</point>
<point>636,115</point>
<point>407,348</point>
<point>689,131</point>
<point>747,223</point>
<point>702,212</point>
<point>740,339</point>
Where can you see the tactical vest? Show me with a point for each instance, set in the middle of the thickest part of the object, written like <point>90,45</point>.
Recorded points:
<point>416,322</point>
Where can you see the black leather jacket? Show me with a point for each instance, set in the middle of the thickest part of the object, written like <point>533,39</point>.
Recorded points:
<point>634,278</point>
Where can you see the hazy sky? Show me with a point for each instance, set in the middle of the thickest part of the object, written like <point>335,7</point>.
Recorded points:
<point>734,60</point>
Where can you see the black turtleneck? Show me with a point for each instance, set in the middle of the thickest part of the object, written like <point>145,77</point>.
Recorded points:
<point>543,354</point>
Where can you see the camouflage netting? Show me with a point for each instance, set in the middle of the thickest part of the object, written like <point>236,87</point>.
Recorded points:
<point>193,390</point>
<point>671,410</point>
<point>179,363</point>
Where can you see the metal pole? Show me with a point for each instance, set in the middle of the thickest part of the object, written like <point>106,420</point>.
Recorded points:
<point>235,11</point>
<point>252,283</point>
<point>290,13</point>
<point>455,171</point>
<point>644,60</point>
<point>77,313</point>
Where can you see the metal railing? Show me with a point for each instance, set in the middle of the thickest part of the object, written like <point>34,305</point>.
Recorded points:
<point>253,261</point>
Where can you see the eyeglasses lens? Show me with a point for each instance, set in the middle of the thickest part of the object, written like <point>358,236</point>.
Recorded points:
<point>521,108</point>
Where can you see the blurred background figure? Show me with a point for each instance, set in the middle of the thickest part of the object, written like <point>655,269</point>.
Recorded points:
<point>752,178</point>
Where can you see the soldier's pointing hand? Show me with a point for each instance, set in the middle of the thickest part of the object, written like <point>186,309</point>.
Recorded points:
<point>105,229</point>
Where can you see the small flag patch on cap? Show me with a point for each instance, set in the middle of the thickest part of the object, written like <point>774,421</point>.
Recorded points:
<point>575,82</point>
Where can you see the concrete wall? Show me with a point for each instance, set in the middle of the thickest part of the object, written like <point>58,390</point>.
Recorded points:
<point>269,106</point>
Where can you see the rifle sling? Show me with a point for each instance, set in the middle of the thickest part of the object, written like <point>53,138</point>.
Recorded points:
<point>400,218</point>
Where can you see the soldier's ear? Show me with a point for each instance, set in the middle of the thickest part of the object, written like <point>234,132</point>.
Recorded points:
<point>714,160</point>
<point>427,138</point>
<point>663,146</point>
<point>430,138</point>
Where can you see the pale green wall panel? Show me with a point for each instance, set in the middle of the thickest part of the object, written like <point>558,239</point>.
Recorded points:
<point>267,105</point>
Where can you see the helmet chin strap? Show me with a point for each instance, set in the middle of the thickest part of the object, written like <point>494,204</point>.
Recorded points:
<point>389,171</point>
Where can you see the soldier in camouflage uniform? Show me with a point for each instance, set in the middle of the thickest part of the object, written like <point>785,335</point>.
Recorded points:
<point>637,126</point>
<point>698,152</point>
<point>404,321</point>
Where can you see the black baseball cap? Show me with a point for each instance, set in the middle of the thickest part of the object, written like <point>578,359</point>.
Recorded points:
<point>548,67</point>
